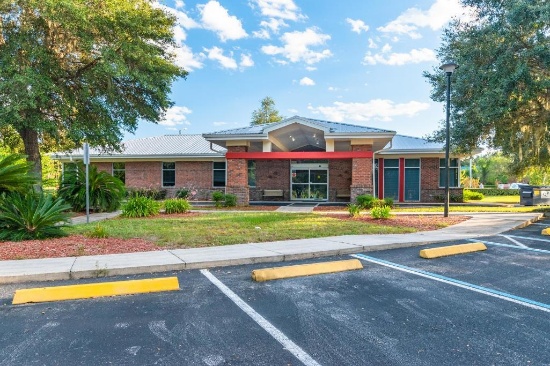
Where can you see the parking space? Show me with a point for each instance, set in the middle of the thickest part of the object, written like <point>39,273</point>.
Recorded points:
<point>488,307</point>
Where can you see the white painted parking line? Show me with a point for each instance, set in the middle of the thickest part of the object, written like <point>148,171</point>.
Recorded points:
<point>514,241</point>
<point>529,238</point>
<point>539,224</point>
<point>511,246</point>
<point>290,346</point>
<point>465,285</point>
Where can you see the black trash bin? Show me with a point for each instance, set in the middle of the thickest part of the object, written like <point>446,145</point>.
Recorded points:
<point>526,194</point>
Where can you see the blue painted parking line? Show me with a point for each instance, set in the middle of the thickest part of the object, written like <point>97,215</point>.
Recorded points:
<point>451,281</point>
<point>511,246</point>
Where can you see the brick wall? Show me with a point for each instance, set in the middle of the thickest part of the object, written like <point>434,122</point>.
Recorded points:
<point>271,174</point>
<point>429,182</point>
<point>143,174</point>
<point>104,167</point>
<point>339,181</point>
<point>361,176</point>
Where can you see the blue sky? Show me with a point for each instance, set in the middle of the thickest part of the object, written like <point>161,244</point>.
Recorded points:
<point>352,61</point>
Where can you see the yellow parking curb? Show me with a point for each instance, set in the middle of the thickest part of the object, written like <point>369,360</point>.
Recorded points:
<point>452,250</point>
<point>86,291</point>
<point>545,231</point>
<point>276,273</point>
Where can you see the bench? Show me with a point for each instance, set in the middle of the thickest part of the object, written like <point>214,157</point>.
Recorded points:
<point>273,193</point>
<point>343,193</point>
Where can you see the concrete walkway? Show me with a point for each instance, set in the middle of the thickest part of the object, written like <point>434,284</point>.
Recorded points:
<point>479,225</point>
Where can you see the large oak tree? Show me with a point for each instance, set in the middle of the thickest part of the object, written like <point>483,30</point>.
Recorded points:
<point>74,71</point>
<point>501,92</point>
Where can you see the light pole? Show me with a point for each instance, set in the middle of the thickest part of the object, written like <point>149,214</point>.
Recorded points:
<point>449,68</point>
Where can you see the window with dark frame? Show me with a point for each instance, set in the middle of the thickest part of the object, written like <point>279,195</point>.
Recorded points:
<point>168,174</point>
<point>218,170</point>
<point>119,171</point>
<point>251,173</point>
<point>454,170</point>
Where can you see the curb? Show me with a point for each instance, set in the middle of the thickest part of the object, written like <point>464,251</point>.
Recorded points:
<point>451,250</point>
<point>268,274</point>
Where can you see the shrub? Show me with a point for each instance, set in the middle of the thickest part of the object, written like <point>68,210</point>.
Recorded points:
<point>218,198</point>
<point>98,232</point>
<point>497,192</point>
<point>365,201</point>
<point>388,201</point>
<point>106,191</point>
<point>32,216</point>
<point>230,200</point>
<point>152,193</point>
<point>15,174</point>
<point>176,205</point>
<point>141,207</point>
<point>354,210</point>
<point>182,193</point>
<point>471,195</point>
<point>382,212</point>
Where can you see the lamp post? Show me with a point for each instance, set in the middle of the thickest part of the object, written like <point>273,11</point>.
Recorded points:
<point>448,68</point>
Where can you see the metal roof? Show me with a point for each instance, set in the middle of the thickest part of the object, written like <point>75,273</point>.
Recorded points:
<point>409,143</point>
<point>330,127</point>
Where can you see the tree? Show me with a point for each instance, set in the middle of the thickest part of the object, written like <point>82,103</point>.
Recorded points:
<point>83,70</point>
<point>14,174</point>
<point>501,92</point>
<point>266,113</point>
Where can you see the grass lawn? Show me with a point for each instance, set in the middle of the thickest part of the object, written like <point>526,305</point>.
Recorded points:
<point>510,200</point>
<point>213,229</point>
<point>473,209</point>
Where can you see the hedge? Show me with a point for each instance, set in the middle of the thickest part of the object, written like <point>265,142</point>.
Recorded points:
<point>495,191</point>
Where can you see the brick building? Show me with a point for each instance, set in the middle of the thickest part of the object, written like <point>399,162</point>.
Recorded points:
<point>295,159</point>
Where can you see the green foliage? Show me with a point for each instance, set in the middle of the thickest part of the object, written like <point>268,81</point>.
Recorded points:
<point>98,232</point>
<point>31,216</point>
<point>106,191</point>
<point>388,201</point>
<point>500,92</point>
<point>230,200</point>
<point>354,210</point>
<point>182,193</point>
<point>266,113</point>
<point>381,212</point>
<point>456,198</point>
<point>140,207</point>
<point>15,174</point>
<point>176,205</point>
<point>77,70</point>
<point>153,193</point>
<point>218,198</point>
<point>491,192</point>
<point>472,195</point>
<point>365,201</point>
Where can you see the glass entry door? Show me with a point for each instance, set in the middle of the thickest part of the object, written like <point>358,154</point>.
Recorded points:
<point>309,182</point>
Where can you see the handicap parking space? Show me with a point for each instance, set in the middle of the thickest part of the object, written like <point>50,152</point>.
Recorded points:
<point>489,307</point>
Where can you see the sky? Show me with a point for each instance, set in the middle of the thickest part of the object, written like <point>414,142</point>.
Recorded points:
<point>351,61</point>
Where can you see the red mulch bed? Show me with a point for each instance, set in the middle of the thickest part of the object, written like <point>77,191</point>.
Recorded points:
<point>78,245</point>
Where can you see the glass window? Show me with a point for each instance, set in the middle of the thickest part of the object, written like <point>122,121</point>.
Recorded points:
<point>119,171</point>
<point>219,174</point>
<point>454,171</point>
<point>251,173</point>
<point>168,174</point>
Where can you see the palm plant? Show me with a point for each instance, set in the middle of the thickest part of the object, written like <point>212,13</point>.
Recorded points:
<point>15,174</point>
<point>106,191</point>
<point>31,216</point>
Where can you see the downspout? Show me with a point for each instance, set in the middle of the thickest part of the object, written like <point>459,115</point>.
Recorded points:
<point>374,168</point>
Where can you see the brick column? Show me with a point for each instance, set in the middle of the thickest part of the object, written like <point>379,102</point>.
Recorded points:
<point>237,177</point>
<point>361,173</point>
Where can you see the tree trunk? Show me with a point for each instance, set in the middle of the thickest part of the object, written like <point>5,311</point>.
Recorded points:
<point>32,150</point>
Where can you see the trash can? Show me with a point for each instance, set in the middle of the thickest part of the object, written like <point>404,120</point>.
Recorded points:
<point>534,195</point>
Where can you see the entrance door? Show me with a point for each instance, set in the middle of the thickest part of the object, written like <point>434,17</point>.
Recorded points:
<point>309,182</point>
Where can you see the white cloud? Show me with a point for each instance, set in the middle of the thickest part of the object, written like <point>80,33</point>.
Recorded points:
<point>381,109</point>
<point>297,46</point>
<point>332,88</point>
<point>311,68</point>
<point>307,81</point>
<point>179,34</point>
<point>273,24</point>
<point>282,9</point>
<point>185,58</point>
<point>386,48</point>
<point>216,54</point>
<point>219,123</point>
<point>179,4</point>
<point>357,26</point>
<point>372,44</point>
<point>176,116</point>
<point>439,14</point>
<point>246,61</point>
<point>415,56</point>
<point>216,18</point>
<point>262,34</point>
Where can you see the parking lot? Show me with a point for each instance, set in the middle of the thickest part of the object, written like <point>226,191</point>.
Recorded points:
<point>483,308</point>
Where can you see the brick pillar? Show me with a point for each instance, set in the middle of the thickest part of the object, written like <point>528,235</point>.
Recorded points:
<point>361,173</point>
<point>237,177</point>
